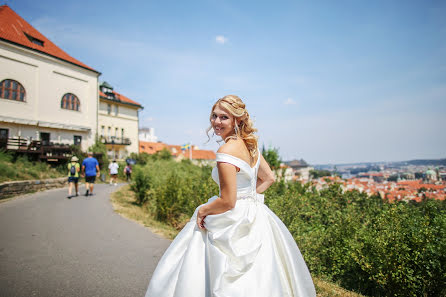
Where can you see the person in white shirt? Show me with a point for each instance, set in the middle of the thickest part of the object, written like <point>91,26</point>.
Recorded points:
<point>113,168</point>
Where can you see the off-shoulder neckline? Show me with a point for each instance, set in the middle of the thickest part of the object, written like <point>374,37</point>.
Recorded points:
<point>255,165</point>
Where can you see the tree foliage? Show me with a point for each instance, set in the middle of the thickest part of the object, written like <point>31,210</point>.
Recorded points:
<point>319,173</point>
<point>100,153</point>
<point>272,157</point>
<point>163,154</point>
<point>365,243</point>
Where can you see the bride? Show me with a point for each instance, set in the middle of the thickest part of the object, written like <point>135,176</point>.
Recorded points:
<point>234,245</point>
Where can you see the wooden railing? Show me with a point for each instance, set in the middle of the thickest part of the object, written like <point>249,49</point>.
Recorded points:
<point>48,151</point>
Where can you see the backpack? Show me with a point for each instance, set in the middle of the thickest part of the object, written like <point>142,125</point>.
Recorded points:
<point>127,170</point>
<point>73,170</point>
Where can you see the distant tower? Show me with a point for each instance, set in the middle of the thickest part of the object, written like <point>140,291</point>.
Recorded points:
<point>431,176</point>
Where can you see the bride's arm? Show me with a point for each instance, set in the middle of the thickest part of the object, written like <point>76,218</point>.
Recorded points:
<point>228,188</point>
<point>265,176</point>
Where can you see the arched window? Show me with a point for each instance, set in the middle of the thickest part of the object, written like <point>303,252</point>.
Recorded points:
<point>12,90</point>
<point>70,101</point>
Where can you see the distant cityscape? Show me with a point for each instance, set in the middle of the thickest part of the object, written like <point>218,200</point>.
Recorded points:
<point>395,181</point>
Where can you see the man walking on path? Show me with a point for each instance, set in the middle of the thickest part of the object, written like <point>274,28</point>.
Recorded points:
<point>73,176</point>
<point>90,167</point>
<point>113,167</point>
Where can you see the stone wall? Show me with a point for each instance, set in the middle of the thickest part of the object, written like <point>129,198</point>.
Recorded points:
<point>15,188</point>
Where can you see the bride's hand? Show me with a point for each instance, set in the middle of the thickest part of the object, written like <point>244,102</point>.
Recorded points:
<point>200,219</point>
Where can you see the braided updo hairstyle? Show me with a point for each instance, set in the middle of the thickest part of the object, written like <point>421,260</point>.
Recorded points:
<point>243,126</point>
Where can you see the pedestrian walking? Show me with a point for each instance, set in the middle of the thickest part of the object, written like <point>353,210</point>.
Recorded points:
<point>73,176</point>
<point>90,168</point>
<point>128,172</point>
<point>113,169</point>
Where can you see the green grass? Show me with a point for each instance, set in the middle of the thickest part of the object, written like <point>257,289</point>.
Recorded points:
<point>124,203</point>
<point>23,169</point>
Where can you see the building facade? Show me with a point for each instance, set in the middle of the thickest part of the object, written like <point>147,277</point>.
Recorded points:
<point>118,122</point>
<point>45,94</point>
<point>147,135</point>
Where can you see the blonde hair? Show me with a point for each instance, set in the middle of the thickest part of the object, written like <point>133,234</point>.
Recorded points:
<point>243,125</point>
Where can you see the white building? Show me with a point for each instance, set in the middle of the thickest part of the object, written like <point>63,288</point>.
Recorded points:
<point>118,122</point>
<point>147,135</point>
<point>300,169</point>
<point>45,94</point>
<point>49,98</point>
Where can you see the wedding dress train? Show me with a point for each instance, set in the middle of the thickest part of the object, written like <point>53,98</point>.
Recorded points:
<point>244,252</point>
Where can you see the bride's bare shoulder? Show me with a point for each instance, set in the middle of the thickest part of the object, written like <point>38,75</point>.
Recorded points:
<point>232,147</point>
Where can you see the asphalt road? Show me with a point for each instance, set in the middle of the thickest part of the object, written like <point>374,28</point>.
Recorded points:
<point>54,246</point>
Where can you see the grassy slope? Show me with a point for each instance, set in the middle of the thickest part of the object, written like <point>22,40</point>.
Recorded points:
<point>22,169</point>
<point>123,202</point>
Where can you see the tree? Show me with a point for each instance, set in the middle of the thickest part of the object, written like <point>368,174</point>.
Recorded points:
<point>163,154</point>
<point>319,173</point>
<point>100,152</point>
<point>272,157</point>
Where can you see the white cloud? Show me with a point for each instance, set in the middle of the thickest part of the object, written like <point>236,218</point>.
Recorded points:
<point>289,101</point>
<point>221,39</point>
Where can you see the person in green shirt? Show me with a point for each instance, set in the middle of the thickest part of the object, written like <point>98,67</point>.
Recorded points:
<point>73,175</point>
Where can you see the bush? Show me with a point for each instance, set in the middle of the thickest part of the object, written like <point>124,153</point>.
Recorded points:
<point>174,189</point>
<point>141,183</point>
<point>19,167</point>
<point>363,243</point>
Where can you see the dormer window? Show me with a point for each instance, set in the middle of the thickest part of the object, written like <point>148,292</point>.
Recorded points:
<point>34,40</point>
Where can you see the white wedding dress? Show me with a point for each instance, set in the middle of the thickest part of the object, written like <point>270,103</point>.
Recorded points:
<point>244,252</point>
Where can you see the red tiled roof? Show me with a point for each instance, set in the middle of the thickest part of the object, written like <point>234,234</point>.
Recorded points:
<point>13,29</point>
<point>121,98</point>
<point>153,147</point>
<point>202,155</point>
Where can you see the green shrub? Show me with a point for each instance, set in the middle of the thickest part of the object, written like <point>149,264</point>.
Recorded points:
<point>5,157</point>
<point>365,244</point>
<point>7,172</point>
<point>361,242</point>
<point>176,188</point>
<point>141,183</point>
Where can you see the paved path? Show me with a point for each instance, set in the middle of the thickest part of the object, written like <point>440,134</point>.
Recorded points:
<point>54,246</point>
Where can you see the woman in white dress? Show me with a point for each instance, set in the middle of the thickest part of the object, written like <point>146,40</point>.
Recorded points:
<point>234,245</point>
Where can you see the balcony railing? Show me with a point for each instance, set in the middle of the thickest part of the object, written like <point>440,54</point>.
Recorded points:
<point>40,149</point>
<point>115,140</point>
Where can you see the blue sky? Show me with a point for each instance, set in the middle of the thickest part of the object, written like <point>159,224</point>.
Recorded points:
<point>326,81</point>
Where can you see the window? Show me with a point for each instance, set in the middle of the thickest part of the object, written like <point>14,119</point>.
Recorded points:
<point>116,132</point>
<point>45,138</point>
<point>102,130</point>
<point>109,131</point>
<point>122,133</point>
<point>77,139</point>
<point>13,90</point>
<point>70,101</point>
<point>108,108</point>
<point>34,40</point>
<point>4,133</point>
<point>116,110</point>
